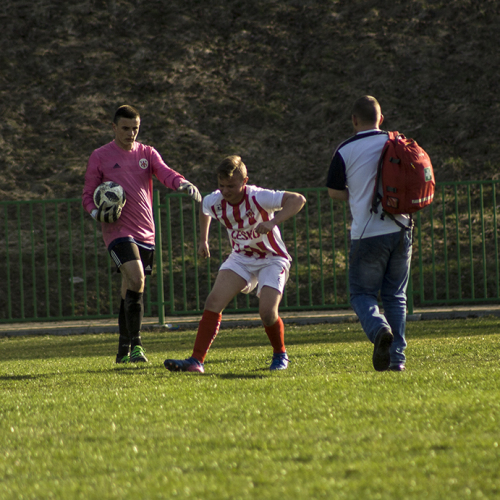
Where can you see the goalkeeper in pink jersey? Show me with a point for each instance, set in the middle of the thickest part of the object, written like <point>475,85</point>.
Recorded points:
<point>130,235</point>
<point>258,259</point>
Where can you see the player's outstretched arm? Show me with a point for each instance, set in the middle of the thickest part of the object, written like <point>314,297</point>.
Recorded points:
<point>291,204</point>
<point>203,248</point>
<point>189,188</point>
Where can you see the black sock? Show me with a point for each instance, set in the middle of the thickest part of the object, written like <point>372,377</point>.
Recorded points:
<point>134,311</point>
<point>124,340</point>
<point>135,341</point>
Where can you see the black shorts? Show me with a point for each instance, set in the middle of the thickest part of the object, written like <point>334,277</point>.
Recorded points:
<point>125,251</point>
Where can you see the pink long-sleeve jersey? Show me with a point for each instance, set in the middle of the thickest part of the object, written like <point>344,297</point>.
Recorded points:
<point>133,170</point>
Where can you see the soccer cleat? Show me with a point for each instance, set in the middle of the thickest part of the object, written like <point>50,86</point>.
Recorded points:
<point>280,361</point>
<point>184,365</point>
<point>138,355</point>
<point>381,350</point>
<point>122,358</point>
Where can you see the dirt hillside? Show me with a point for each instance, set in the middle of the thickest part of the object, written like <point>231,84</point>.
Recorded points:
<point>270,80</point>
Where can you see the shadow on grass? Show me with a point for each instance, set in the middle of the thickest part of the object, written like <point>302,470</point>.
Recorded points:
<point>240,376</point>
<point>120,370</point>
<point>105,345</point>
<point>17,378</point>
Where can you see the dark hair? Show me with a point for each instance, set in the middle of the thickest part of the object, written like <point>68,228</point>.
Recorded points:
<point>367,109</point>
<point>126,111</point>
<point>231,165</point>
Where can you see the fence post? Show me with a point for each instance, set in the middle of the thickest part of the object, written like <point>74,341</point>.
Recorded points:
<point>159,258</point>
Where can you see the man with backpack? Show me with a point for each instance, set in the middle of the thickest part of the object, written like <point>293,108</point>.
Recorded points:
<point>380,253</point>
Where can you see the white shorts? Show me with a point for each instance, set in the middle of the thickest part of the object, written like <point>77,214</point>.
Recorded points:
<point>271,271</point>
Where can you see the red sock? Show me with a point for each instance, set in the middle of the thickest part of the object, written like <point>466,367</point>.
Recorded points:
<point>208,329</point>
<point>276,334</point>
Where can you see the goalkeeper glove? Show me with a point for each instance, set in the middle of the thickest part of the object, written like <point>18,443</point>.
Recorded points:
<point>190,189</point>
<point>103,214</point>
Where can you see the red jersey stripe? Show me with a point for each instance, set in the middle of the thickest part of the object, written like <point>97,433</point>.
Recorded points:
<point>263,213</point>
<point>251,218</point>
<point>237,215</point>
<point>270,236</point>
<point>275,245</point>
<point>224,215</point>
<point>213,212</point>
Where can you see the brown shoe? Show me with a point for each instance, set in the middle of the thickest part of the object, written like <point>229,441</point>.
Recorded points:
<point>381,354</point>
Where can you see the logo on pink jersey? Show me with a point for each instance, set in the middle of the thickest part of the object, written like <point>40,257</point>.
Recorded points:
<point>143,163</point>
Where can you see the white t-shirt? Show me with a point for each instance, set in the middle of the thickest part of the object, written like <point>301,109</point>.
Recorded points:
<point>354,165</point>
<point>258,205</point>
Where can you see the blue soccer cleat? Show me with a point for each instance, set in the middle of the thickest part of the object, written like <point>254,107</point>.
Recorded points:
<point>280,361</point>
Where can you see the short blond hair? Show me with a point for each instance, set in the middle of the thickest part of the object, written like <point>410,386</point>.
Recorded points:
<point>232,165</point>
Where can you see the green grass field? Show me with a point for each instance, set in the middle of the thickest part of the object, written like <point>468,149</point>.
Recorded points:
<point>75,425</point>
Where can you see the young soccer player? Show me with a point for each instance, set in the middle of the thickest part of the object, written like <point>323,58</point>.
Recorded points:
<point>258,259</point>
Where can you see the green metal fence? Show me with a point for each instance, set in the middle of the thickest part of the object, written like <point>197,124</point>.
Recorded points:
<point>316,238</point>
<point>456,249</point>
<point>54,266</point>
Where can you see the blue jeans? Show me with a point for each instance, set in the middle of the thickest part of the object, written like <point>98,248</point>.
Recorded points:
<point>381,264</point>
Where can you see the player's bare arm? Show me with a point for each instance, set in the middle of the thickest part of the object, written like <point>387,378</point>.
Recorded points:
<point>203,249</point>
<point>339,195</point>
<point>291,203</point>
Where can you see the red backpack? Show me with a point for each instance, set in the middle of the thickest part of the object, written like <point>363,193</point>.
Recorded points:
<point>407,177</point>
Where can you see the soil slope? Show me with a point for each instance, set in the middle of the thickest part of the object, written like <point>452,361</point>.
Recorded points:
<point>270,80</point>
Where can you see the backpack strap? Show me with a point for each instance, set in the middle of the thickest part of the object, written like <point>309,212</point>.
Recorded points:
<point>377,197</point>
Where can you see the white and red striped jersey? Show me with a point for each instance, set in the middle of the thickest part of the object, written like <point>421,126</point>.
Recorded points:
<point>258,205</point>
